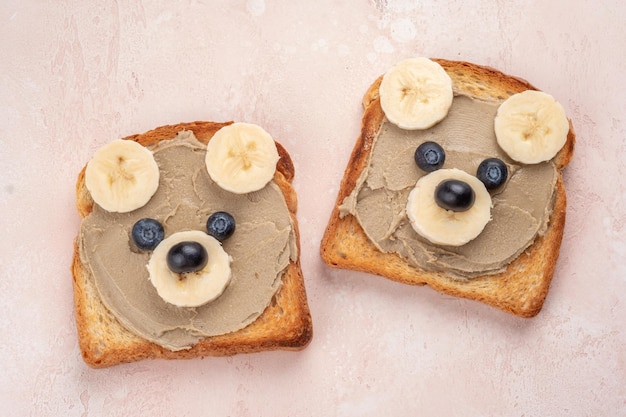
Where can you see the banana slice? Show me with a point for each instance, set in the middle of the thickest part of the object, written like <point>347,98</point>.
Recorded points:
<point>531,127</point>
<point>241,158</point>
<point>190,289</point>
<point>122,176</point>
<point>416,93</point>
<point>447,227</point>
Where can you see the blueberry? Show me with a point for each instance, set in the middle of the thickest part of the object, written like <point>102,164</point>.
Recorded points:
<point>492,172</point>
<point>147,234</point>
<point>429,156</point>
<point>454,195</point>
<point>220,225</point>
<point>187,257</point>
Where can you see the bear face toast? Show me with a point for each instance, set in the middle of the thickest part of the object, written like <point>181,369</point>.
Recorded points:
<point>455,182</point>
<point>188,247</point>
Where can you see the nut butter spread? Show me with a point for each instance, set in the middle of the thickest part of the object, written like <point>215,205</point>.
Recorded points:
<point>261,248</point>
<point>521,207</point>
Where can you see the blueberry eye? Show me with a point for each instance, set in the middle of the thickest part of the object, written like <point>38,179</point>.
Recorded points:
<point>220,225</point>
<point>492,172</point>
<point>147,234</point>
<point>429,156</point>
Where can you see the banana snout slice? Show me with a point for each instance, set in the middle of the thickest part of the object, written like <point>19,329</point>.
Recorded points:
<point>531,126</point>
<point>447,227</point>
<point>191,289</point>
<point>416,93</point>
<point>241,158</point>
<point>122,176</point>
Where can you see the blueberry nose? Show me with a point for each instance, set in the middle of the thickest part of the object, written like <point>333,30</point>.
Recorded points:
<point>187,257</point>
<point>455,195</point>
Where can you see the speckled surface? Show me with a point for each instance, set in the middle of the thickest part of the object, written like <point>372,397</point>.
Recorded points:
<point>75,75</point>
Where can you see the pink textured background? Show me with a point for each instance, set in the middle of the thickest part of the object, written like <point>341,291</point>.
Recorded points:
<point>76,74</point>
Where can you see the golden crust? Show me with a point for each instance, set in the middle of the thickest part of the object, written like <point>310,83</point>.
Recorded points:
<point>522,288</point>
<point>285,324</point>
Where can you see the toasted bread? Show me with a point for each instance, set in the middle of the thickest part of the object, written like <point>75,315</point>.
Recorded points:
<point>522,287</point>
<point>285,324</point>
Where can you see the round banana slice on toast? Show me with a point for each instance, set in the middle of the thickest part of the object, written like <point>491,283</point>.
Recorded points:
<point>122,176</point>
<point>416,93</point>
<point>190,289</point>
<point>531,127</point>
<point>241,158</point>
<point>442,226</point>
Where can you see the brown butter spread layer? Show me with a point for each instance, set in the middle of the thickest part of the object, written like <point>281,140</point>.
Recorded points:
<point>521,207</point>
<point>261,248</point>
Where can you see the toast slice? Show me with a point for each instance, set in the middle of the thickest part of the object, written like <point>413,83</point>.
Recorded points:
<point>285,324</point>
<point>522,287</point>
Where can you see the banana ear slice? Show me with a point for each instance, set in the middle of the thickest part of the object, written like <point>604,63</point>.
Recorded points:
<point>416,93</point>
<point>447,227</point>
<point>531,127</point>
<point>241,158</point>
<point>122,176</point>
